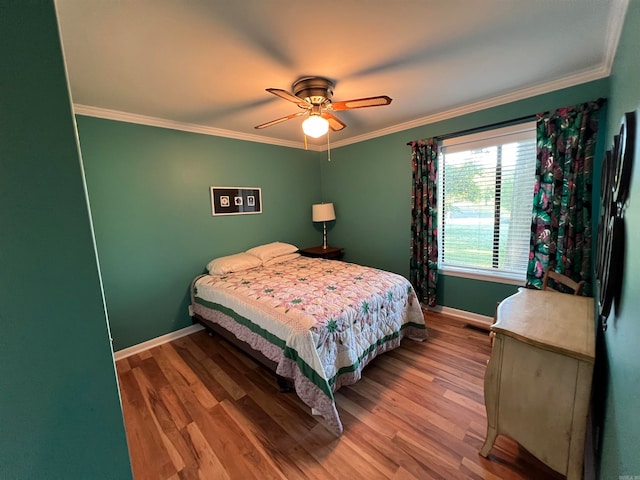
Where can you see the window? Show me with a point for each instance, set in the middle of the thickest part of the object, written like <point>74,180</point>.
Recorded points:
<point>486,183</point>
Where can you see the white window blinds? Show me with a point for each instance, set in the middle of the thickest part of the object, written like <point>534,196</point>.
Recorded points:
<point>486,198</point>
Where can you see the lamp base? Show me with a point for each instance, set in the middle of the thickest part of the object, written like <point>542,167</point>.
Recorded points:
<point>324,235</point>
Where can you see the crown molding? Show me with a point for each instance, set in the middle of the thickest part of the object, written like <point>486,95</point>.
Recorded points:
<point>603,71</point>
<point>595,74</point>
<point>108,114</point>
<point>614,31</point>
<point>522,94</point>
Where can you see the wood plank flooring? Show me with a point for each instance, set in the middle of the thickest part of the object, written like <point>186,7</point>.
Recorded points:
<point>197,408</point>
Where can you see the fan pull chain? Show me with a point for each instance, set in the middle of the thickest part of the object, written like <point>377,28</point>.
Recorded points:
<point>328,146</point>
<point>305,141</point>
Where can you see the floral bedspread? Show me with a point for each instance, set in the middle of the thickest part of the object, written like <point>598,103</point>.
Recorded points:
<point>320,320</point>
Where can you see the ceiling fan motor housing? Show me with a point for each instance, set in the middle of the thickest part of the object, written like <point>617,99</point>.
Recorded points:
<point>313,95</point>
<point>315,90</point>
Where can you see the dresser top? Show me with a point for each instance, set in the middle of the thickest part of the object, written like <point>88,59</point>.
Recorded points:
<point>551,320</point>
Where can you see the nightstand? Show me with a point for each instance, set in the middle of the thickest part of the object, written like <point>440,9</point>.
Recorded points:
<point>332,253</point>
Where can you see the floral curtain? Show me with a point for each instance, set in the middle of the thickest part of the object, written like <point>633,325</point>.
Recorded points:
<point>423,272</point>
<point>561,233</point>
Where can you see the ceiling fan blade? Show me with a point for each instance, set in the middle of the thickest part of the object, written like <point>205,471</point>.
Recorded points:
<point>361,103</point>
<point>288,96</point>
<point>334,123</point>
<point>280,120</point>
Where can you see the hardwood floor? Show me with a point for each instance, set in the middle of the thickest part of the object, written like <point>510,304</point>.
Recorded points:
<point>199,408</point>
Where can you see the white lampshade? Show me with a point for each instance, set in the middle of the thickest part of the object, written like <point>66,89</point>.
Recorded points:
<point>315,126</point>
<point>323,212</point>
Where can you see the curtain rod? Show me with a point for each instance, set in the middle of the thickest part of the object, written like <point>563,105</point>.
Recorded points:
<point>600,101</point>
<point>468,131</point>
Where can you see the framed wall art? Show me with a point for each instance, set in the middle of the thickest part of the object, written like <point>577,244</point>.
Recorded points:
<point>235,200</point>
<point>614,196</point>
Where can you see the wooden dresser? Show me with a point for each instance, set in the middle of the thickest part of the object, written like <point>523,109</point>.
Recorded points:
<point>538,380</point>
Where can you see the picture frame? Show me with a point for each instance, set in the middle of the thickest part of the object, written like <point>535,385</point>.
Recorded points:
<point>611,244</point>
<point>235,200</point>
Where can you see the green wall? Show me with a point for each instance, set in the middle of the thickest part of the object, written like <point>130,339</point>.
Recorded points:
<point>370,184</point>
<point>149,193</point>
<point>621,433</point>
<point>60,415</point>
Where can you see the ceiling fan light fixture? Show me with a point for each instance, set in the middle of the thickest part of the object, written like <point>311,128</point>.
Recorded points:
<point>315,126</point>
<point>314,97</point>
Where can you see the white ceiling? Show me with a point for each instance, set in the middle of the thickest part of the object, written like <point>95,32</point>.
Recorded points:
<point>203,65</point>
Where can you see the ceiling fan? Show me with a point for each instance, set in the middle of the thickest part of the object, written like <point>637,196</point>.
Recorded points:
<point>314,96</point>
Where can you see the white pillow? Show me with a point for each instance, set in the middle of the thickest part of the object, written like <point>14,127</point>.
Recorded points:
<point>233,263</point>
<point>280,259</point>
<point>271,250</point>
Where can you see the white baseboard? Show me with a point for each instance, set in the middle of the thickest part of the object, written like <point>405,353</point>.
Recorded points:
<point>154,342</point>
<point>471,318</point>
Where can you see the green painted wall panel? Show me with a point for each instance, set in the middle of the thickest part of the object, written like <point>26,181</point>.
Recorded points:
<point>370,184</point>
<point>472,295</point>
<point>60,415</point>
<point>149,193</point>
<point>621,433</point>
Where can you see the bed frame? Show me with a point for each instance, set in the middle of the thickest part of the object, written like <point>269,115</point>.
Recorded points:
<point>284,384</point>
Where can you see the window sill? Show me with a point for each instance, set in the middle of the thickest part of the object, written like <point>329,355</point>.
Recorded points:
<point>483,275</point>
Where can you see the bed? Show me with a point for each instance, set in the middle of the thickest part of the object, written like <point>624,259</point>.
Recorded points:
<point>315,322</point>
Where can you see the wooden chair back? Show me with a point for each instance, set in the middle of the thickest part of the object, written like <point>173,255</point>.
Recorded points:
<point>559,278</point>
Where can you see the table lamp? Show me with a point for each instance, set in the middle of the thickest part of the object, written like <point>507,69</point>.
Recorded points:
<point>323,212</point>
